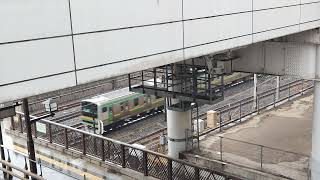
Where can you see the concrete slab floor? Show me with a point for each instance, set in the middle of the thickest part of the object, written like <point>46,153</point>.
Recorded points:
<point>288,127</point>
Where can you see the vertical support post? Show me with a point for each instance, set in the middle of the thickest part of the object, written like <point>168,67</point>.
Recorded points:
<point>94,126</point>
<point>240,110</point>
<point>261,157</point>
<point>123,156</point>
<point>108,151</point>
<point>142,82</point>
<point>66,143</point>
<point>2,149</point>
<point>35,129</point>
<point>170,174</point>
<point>155,85</point>
<point>145,163</point>
<point>50,133</point>
<point>220,121</point>
<point>255,82</point>
<point>30,143</point>
<point>209,87</point>
<point>194,77</point>
<point>197,173</point>
<point>221,148</point>
<point>12,124</point>
<point>258,106</point>
<point>289,91</point>
<point>278,89</point>
<point>198,133</point>
<point>274,99</point>
<point>229,113</point>
<point>20,121</point>
<point>129,82</point>
<point>84,144</point>
<point>103,158</point>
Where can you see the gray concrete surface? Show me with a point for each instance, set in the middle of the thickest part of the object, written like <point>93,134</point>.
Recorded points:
<point>288,127</point>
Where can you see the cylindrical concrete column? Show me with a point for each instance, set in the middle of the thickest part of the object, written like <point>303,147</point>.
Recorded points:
<point>177,124</point>
<point>315,154</point>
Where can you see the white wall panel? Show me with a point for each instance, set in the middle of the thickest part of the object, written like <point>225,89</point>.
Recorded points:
<point>310,12</point>
<point>96,15</point>
<point>266,4</point>
<point>309,25</point>
<point>33,19</point>
<point>205,8</point>
<point>112,70</point>
<point>263,36</point>
<point>213,29</point>
<point>21,61</point>
<point>308,1</point>
<point>112,46</point>
<point>275,18</point>
<point>34,87</point>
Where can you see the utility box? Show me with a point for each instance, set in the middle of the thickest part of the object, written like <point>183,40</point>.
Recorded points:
<point>212,119</point>
<point>201,125</point>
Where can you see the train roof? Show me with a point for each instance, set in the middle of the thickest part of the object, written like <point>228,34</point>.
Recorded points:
<point>109,96</point>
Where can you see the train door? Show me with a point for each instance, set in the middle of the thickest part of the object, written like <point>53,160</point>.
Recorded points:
<point>110,114</point>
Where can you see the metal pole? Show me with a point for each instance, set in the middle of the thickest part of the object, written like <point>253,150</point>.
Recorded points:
<point>220,148</point>
<point>261,157</point>
<point>278,89</point>
<point>198,134</point>
<point>255,81</point>
<point>2,150</point>
<point>30,143</point>
<point>94,126</point>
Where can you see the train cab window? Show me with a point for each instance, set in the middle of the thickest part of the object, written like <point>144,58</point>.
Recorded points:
<point>136,101</point>
<point>89,109</point>
<point>104,109</point>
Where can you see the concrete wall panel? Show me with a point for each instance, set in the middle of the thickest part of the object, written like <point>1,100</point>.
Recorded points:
<point>96,15</point>
<point>33,59</point>
<point>114,46</point>
<point>207,8</point>
<point>21,20</point>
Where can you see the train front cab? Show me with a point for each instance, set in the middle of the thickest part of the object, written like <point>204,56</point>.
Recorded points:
<point>91,115</point>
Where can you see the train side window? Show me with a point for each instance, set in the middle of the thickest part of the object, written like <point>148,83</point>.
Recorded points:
<point>136,101</point>
<point>110,109</point>
<point>104,109</point>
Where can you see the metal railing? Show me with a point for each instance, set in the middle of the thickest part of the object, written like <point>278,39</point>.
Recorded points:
<point>234,113</point>
<point>124,155</point>
<point>16,166</point>
<point>147,162</point>
<point>260,157</point>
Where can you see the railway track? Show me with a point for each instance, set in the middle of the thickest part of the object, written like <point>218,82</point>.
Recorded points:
<point>153,138</point>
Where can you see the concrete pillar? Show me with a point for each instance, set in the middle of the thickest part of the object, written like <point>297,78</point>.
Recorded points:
<point>255,82</point>
<point>177,124</point>
<point>278,88</point>
<point>315,154</point>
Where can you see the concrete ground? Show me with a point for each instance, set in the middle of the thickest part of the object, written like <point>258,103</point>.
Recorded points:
<point>288,127</point>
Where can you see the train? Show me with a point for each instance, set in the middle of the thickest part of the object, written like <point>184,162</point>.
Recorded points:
<point>114,109</point>
<point>108,111</point>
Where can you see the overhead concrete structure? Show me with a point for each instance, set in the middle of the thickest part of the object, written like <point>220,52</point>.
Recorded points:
<point>48,45</point>
<point>295,55</point>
